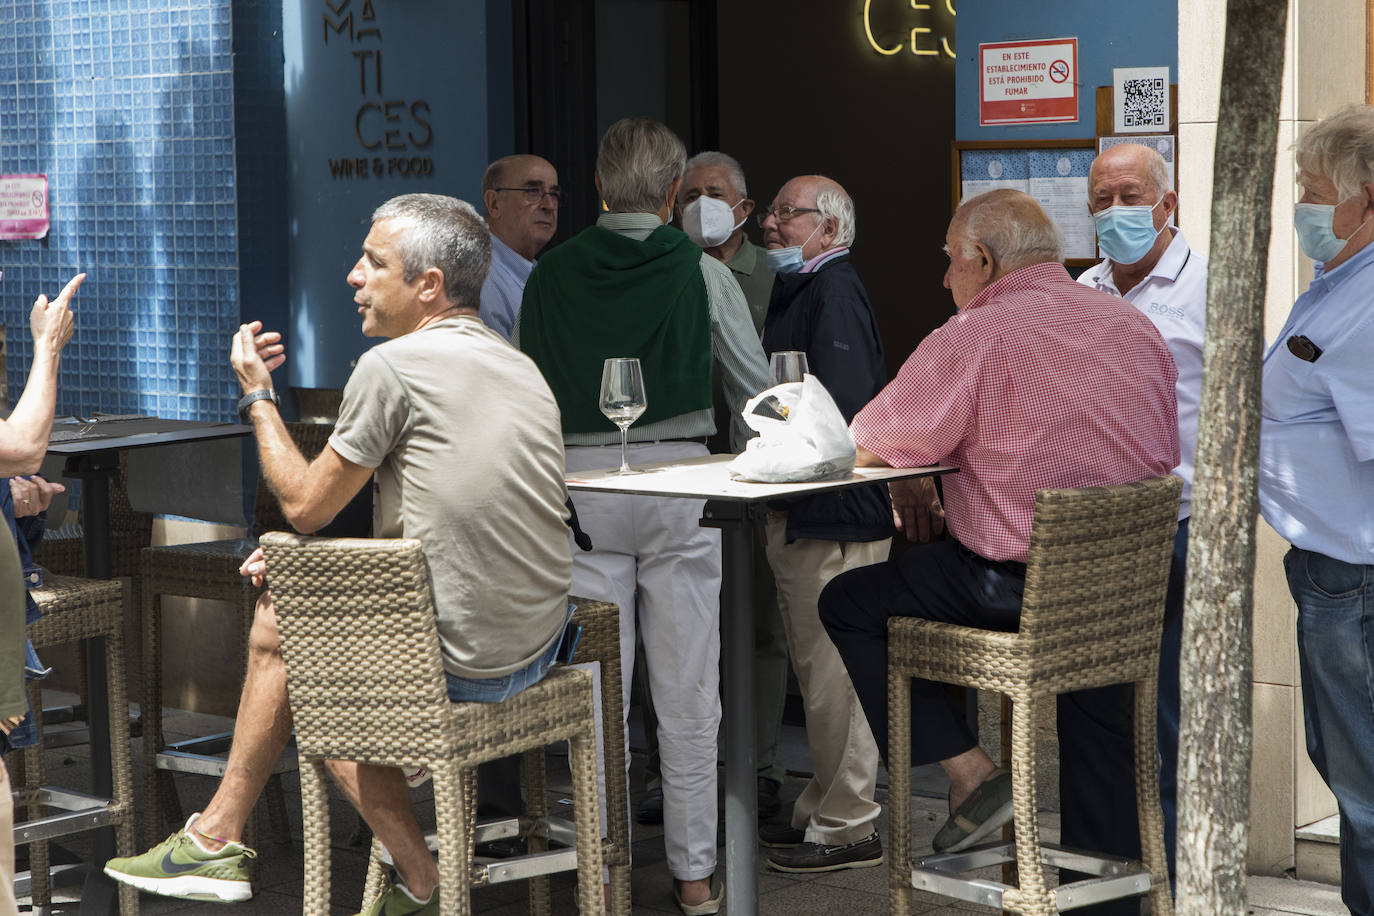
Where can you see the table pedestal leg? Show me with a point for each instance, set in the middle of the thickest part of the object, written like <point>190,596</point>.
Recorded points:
<point>95,470</point>
<point>737,648</point>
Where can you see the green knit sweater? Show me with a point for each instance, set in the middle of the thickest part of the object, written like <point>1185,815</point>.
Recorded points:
<point>601,295</point>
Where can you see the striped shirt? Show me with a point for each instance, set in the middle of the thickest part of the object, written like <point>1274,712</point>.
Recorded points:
<point>734,343</point>
<point>1037,383</point>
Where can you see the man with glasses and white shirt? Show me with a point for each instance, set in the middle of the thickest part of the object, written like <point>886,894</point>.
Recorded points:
<point>522,198</point>
<point>1151,266</point>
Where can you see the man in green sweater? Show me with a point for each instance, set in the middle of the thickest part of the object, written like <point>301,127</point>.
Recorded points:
<point>633,286</point>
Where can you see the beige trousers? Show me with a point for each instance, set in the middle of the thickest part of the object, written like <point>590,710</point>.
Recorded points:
<point>837,805</point>
<point>7,901</point>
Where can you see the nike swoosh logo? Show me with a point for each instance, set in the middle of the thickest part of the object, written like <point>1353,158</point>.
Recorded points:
<point>174,868</point>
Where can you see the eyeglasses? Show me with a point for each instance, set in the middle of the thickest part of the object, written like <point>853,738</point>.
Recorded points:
<point>535,196</point>
<point>784,213</point>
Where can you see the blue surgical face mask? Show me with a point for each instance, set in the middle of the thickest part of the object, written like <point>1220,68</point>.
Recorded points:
<point>789,260</point>
<point>1126,234</point>
<point>1316,238</point>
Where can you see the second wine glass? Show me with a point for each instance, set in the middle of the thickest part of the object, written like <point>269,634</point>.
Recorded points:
<point>788,366</point>
<point>622,397</point>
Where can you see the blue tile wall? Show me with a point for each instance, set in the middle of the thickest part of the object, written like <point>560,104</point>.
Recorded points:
<point>128,106</point>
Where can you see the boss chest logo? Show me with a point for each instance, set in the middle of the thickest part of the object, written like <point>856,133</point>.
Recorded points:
<point>1164,311</point>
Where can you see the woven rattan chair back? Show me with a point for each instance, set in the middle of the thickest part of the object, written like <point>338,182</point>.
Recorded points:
<point>1094,593</point>
<point>366,683</point>
<point>1091,615</point>
<point>310,438</point>
<point>337,589</point>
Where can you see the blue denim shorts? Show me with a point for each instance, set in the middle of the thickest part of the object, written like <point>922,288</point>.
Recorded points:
<point>497,689</point>
<point>25,734</point>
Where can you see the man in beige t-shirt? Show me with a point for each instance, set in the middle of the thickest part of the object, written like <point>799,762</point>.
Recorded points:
<point>466,444</point>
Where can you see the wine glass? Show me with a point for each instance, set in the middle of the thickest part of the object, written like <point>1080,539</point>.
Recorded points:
<point>622,397</point>
<point>788,366</point>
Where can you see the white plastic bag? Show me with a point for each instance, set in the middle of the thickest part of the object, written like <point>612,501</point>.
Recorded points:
<point>802,436</point>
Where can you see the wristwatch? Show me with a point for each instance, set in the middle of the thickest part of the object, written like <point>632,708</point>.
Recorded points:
<point>262,394</point>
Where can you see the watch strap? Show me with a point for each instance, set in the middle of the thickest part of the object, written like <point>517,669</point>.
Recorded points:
<point>252,397</point>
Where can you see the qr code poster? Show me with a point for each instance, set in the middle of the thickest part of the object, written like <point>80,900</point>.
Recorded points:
<point>1141,99</point>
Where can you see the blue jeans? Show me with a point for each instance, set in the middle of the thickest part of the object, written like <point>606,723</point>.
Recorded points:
<point>497,689</point>
<point>1336,656</point>
<point>25,734</point>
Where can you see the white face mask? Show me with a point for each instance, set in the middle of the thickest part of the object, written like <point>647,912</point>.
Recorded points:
<point>709,221</point>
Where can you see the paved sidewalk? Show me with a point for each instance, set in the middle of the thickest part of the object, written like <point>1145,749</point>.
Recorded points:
<point>859,891</point>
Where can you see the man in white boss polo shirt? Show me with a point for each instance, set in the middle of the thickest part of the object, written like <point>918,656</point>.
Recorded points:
<point>1150,265</point>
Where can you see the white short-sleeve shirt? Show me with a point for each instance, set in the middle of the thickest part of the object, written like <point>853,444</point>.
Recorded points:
<point>1174,297</point>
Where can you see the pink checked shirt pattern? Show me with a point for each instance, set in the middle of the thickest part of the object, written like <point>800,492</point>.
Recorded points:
<point>1037,383</point>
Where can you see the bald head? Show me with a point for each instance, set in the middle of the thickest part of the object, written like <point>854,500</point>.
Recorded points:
<point>1132,166</point>
<point>520,196</point>
<point>831,226</point>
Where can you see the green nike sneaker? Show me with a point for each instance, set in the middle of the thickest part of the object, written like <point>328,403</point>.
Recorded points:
<point>395,900</point>
<point>181,867</point>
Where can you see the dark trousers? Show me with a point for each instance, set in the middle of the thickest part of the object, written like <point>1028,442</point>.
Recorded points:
<point>1169,692</point>
<point>945,581</point>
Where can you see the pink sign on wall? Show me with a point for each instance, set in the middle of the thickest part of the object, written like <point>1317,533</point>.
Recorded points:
<point>23,206</point>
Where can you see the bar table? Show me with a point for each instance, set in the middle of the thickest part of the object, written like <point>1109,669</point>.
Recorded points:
<point>91,449</point>
<point>735,507</point>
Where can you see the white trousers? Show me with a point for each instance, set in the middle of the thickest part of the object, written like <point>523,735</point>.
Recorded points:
<point>837,805</point>
<point>654,560</point>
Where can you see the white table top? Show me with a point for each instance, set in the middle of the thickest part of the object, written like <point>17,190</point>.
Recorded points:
<point>707,478</point>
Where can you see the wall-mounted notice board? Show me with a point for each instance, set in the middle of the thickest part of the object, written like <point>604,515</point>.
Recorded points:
<point>1054,172</point>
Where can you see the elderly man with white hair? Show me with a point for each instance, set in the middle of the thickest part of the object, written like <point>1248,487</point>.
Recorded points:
<point>1316,474</point>
<point>988,393</point>
<point>1149,264</point>
<point>819,306</point>
<point>714,207</point>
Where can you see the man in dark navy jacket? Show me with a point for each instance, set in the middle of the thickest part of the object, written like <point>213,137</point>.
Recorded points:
<point>819,306</point>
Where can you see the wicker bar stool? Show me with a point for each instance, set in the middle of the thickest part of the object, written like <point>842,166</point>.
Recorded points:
<point>600,642</point>
<point>76,609</point>
<point>1091,616</point>
<point>130,532</point>
<point>366,684</point>
<point>209,569</point>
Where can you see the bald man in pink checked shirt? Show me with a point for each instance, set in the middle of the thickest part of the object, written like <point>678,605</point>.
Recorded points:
<point>1036,382</point>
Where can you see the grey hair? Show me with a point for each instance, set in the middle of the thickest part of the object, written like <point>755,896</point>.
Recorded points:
<point>1013,228</point>
<point>835,204</point>
<point>442,232</point>
<point>715,159</point>
<point>637,162</point>
<point>1341,148</point>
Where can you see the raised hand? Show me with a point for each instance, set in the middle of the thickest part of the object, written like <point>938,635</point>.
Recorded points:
<point>254,354</point>
<point>51,320</point>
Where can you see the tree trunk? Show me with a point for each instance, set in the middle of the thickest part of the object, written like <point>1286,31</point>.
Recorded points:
<point>1214,745</point>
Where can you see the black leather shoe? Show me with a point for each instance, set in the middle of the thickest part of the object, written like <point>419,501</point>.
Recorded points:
<point>650,810</point>
<point>769,803</point>
<point>780,836</point>
<point>817,857</point>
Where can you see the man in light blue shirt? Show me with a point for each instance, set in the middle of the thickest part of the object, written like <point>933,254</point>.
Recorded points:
<point>1317,474</point>
<point>522,197</point>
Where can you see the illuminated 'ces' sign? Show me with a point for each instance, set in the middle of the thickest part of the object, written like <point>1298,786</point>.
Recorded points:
<point>923,38</point>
